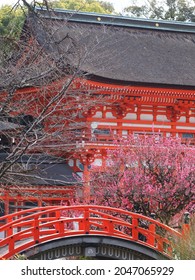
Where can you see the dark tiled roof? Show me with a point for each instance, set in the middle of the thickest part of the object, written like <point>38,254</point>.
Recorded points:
<point>120,48</point>
<point>40,170</point>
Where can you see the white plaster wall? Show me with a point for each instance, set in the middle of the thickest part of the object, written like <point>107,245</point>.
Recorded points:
<point>97,162</point>
<point>162,118</point>
<point>182,119</point>
<point>109,115</point>
<point>98,114</point>
<point>192,120</point>
<point>131,116</point>
<point>146,117</point>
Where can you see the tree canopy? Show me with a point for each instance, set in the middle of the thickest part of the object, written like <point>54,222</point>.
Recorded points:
<point>12,18</point>
<point>180,10</point>
<point>148,174</point>
<point>11,21</point>
<point>84,5</point>
<point>29,117</point>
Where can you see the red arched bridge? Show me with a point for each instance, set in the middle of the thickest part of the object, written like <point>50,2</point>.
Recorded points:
<point>101,232</point>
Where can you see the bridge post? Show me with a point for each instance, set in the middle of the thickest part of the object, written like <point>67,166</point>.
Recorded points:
<point>86,221</point>
<point>11,244</point>
<point>186,224</point>
<point>59,226</point>
<point>152,231</point>
<point>10,229</point>
<point>135,228</point>
<point>160,244</point>
<point>36,229</point>
<point>151,237</point>
<point>110,227</point>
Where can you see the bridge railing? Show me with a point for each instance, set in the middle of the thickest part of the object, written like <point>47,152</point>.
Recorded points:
<point>29,228</point>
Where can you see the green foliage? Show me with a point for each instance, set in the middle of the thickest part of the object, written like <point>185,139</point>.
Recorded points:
<point>11,21</point>
<point>180,10</point>
<point>84,5</point>
<point>185,247</point>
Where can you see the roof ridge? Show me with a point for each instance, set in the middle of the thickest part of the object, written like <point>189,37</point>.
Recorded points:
<point>116,20</point>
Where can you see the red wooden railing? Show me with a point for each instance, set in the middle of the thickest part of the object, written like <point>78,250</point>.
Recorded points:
<point>87,139</point>
<point>28,228</point>
<point>77,140</point>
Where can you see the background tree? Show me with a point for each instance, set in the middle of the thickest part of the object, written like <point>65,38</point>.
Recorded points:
<point>12,17</point>
<point>40,104</point>
<point>11,21</point>
<point>149,174</point>
<point>185,246</point>
<point>84,5</point>
<point>180,10</point>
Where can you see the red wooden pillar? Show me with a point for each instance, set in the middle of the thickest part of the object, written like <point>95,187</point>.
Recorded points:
<point>39,201</point>
<point>135,228</point>
<point>6,202</point>
<point>104,157</point>
<point>152,234</point>
<point>86,160</point>
<point>86,178</point>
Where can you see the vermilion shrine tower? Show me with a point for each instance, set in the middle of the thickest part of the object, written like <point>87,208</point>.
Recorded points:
<point>142,79</point>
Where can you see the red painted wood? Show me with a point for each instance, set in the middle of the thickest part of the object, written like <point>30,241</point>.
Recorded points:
<point>48,223</point>
<point>120,100</point>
